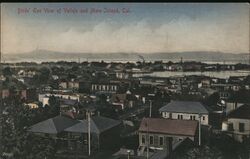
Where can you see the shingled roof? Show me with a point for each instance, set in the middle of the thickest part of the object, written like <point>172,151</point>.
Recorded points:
<point>98,124</point>
<point>53,125</point>
<point>58,124</point>
<point>242,112</point>
<point>169,126</point>
<point>185,107</point>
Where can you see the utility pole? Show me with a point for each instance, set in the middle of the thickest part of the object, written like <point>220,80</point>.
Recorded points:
<point>1,36</point>
<point>147,140</point>
<point>199,129</point>
<point>249,40</point>
<point>128,151</point>
<point>150,108</point>
<point>89,142</point>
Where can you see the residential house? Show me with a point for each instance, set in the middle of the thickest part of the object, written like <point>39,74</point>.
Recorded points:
<point>72,85</point>
<point>165,134</point>
<point>123,74</point>
<point>71,134</point>
<point>32,105</point>
<point>5,93</point>
<point>63,84</point>
<point>26,73</point>
<point>175,67</point>
<point>104,87</point>
<point>122,101</point>
<point>68,105</point>
<point>205,83</point>
<point>192,66</point>
<point>44,97</point>
<point>29,94</point>
<point>237,123</point>
<point>186,110</point>
<point>104,132</point>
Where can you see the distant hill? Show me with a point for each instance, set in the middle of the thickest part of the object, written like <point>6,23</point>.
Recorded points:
<point>45,55</point>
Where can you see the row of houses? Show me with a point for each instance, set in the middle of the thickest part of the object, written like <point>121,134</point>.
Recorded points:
<point>71,135</point>
<point>179,121</point>
<point>186,120</point>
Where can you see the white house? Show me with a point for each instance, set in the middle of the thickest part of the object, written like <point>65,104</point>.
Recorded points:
<point>44,98</point>
<point>237,123</point>
<point>186,110</point>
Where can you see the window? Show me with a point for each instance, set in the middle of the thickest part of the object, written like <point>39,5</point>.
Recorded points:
<point>163,114</point>
<point>143,140</point>
<point>241,127</point>
<point>230,127</point>
<point>192,117</point>
<point>180,116</point>
<point>151,140</point>
<point>203,118</point>
<point>161,141</point>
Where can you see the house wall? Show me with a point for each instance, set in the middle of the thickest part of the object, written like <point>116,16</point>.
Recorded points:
<point>104,87</point>
<point>79,141</point>
<point>73,85</point>
<point>169,141</point>
<point>230,106</point>
<point>187,116</point>
<point>64,85</point>
<point>235,131</point>
<point>5,93</point>
<point>64,96</point>
<point>110,139</point>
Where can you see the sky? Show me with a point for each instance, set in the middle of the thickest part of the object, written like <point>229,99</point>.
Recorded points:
<point>135,28</point>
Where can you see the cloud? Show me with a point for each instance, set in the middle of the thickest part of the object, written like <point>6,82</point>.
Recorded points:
<point>181,34</point>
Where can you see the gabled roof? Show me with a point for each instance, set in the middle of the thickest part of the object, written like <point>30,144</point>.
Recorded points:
<point>242,112</point>
<point>53,125</point>
<point>169,126</point>
<point>98,124</point>
<point>185,107</point>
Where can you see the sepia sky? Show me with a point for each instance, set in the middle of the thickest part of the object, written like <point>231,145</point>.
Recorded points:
<point>146,28</point>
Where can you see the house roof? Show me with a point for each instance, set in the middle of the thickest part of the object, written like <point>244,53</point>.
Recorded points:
<point>119,97</point>
<point>182,148</point>
<point>169,126</point>
<point>242,112</point>
<point>58,124</point>
<point>98,124</point>
<point>185,107</point>
<point>68,101</point>
<point>53,125</point>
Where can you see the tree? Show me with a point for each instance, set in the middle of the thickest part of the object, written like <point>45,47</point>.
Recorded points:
<point>7,71</point>
<point>15,139</point>
<point>54,106</point>
<point>212,99</point>
<point>204,152</point>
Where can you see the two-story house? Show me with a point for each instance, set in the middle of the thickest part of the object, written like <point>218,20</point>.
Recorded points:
<point>104,87</point>
<point>237,123</point>
<point>186,110</point>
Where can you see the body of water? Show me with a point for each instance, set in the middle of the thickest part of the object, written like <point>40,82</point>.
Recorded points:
<point>220,74</point>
